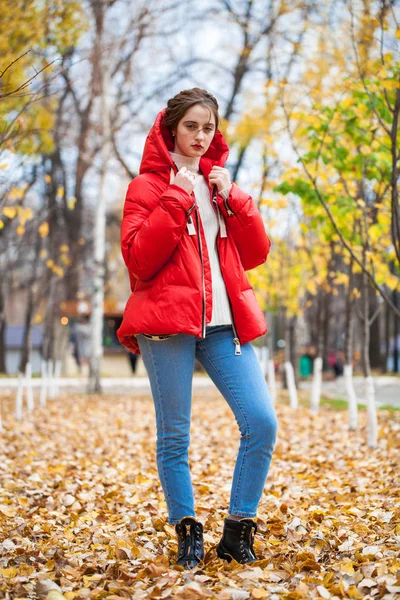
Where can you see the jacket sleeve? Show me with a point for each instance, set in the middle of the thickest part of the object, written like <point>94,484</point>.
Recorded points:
<point>245,225</point>
<point>149,236</point>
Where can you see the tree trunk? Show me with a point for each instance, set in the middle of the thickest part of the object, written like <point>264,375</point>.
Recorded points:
<point>348,352</point>
<point>27,340</point>
<point>372,429</point>
<point>396,349</point>
<point>97,316</point>
<point>30,310</point>
<point>318,362</point>
<point>375,331</point>
<point>47,343</point>
<point>3,367</point>
<point>388,315</point>
<point>294,356</point>
<point>289,371</point>
<point>271,368</point>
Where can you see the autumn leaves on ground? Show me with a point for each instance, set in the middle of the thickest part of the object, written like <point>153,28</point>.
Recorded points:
<point>82,509</point>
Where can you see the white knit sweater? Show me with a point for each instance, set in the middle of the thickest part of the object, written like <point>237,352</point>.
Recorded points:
<point>221,312</point>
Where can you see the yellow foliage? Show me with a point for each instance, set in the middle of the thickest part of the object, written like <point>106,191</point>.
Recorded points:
<point>16,194</point>
<point>24,214</point>
<point>44,229</point>
<point>9,212</point>
<point>341,279</point>
<point>311,287</point>
<point>390,84</point>
<point>58,271</point>
<point>392,281</point>
<point>347,102</point>
<point>71,203</point>
<point>29,25</point>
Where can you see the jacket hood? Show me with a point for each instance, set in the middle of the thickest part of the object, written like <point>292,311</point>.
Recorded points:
<point>159,142</point>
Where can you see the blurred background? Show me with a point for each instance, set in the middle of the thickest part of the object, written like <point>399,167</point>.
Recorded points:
<point>309,98</point>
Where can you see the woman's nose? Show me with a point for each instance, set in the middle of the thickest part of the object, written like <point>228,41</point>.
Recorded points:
<point>199,134</point>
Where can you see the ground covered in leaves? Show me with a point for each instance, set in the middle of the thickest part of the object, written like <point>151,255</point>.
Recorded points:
<point>82,513</point>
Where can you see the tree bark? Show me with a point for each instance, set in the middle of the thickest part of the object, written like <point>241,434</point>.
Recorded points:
<point>3,367</point>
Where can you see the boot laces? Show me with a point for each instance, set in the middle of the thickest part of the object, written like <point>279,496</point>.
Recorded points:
<point>188,545</point>
<point>247,547</point>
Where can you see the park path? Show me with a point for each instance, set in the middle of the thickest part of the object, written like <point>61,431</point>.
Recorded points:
<point>387,388</point>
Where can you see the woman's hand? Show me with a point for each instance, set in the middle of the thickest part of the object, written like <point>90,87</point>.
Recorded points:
<point>220,177</point>
<point>185,179</point>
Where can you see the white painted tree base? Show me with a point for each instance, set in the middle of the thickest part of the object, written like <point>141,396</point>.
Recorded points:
<point>351,396</point>
<point>316,385</point>
<point>291,383</point>
<point>272,380</point>
<point>24,383</point>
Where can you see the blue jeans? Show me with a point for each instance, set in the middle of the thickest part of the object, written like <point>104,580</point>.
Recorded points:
<point>170,365</point>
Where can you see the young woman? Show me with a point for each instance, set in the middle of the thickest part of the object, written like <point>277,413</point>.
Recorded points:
<point>188,235</point>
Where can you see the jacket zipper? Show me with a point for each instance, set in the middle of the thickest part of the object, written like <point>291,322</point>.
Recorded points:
<point>236,340</point>
<point>188,213</point>
<point>203,321</point>
<point>227,207</point>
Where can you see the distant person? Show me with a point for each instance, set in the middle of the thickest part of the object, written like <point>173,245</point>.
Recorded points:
<point>74,342</point>
<point>338,365</point>
<point>185,225</point>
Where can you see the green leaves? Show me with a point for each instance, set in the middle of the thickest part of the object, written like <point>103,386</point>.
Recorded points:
<point>301,188</point>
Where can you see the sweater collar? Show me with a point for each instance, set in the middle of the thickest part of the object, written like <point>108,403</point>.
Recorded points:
<point>190,162</point>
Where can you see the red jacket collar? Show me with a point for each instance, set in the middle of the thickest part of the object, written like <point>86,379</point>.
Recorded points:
<point>159,142</point>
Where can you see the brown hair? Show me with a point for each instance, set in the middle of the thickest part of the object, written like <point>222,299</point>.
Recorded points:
<point>179,104</point>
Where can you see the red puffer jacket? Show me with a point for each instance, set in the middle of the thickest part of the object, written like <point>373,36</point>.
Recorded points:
<point>164,247</point>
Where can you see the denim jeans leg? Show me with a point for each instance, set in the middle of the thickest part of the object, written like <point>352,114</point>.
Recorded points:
<point>169,365</point>
<point>241,382</point>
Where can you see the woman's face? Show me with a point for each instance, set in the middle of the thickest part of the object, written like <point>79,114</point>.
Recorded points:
<point>195,131</point>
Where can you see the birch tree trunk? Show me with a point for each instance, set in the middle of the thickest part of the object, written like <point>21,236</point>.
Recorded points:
<point>289,371</point>
<point>271,369</point>
<point>372,426</point>
<point>348,353</point>
<point>318,364</point>
<point>97,316</point>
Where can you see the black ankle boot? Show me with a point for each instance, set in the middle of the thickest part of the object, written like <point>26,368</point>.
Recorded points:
<point>237,540</point>
<point>190,542</point>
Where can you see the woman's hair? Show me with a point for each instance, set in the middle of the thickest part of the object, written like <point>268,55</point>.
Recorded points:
<point>179,104</point>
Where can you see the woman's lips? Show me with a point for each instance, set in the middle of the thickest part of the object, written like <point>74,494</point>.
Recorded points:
<point>197,146</point>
